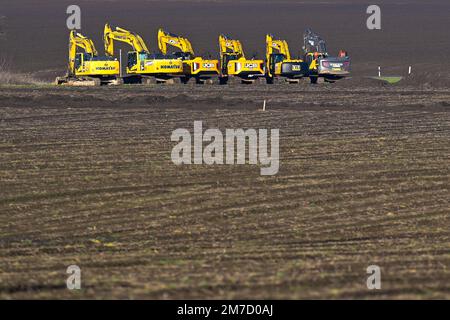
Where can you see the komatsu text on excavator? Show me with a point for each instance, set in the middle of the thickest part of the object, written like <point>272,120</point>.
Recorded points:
<point>194,67</point>
<point>151,67</point>
<point>87,68</point>
<point>234,65</point>
<point>279,63</point>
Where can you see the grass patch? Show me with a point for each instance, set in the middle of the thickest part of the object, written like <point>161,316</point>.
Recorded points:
<point>390,80</point>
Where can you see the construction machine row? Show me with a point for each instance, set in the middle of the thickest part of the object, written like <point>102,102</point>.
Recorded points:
<point>87,68</point>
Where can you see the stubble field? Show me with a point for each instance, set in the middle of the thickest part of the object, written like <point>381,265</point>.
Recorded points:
<point>87,179</point>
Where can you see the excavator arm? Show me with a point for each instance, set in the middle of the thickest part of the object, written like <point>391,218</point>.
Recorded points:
<point>230,46</point>
<point>166,39</point>
<point>280,45</point>
<point>313,43</point>
<point>118,34</point>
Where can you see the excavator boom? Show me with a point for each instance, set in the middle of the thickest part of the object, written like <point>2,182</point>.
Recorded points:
<point>230,46</point>
<point>280,46</point>
<point>120,34</point>
<point>166,39</point>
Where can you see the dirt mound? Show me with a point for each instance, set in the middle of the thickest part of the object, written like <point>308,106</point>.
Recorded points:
<point>427,80</point>
<point>353,82</point>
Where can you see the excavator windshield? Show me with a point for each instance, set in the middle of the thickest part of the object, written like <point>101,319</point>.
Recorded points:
<point>103,58</point>
<point>83,57</point>
<point>80,57</point>
<point>231,57</point>
<point>182,55</point>
<point>160,56</point>
<point>278,57</point>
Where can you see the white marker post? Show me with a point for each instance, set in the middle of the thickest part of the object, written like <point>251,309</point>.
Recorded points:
<point>120,62</point>
<point>409,70</point>
<point>379,72</point>
<point>264,105</point>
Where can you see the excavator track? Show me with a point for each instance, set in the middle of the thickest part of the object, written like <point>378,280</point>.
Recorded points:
<point>87,81</point>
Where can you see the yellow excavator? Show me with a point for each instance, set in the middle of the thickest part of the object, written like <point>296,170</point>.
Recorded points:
<point>234,65</point>
<point>279,63</point>
<point>149,67</point>
<point>87,68</point>
<point>194,67</point>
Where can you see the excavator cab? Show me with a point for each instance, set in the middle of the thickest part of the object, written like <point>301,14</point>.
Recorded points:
<point>132,59</point>
<point>276,58</point>
<point>79,59</point>
<point>226,59</point>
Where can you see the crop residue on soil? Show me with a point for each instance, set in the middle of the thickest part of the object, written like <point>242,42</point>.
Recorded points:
<point>364,179</point>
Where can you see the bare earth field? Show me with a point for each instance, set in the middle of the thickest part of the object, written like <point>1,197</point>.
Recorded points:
<point>86,176</point>
<point>86,179</point>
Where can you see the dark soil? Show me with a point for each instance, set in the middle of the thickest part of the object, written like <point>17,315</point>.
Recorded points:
<point>86,179</point>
